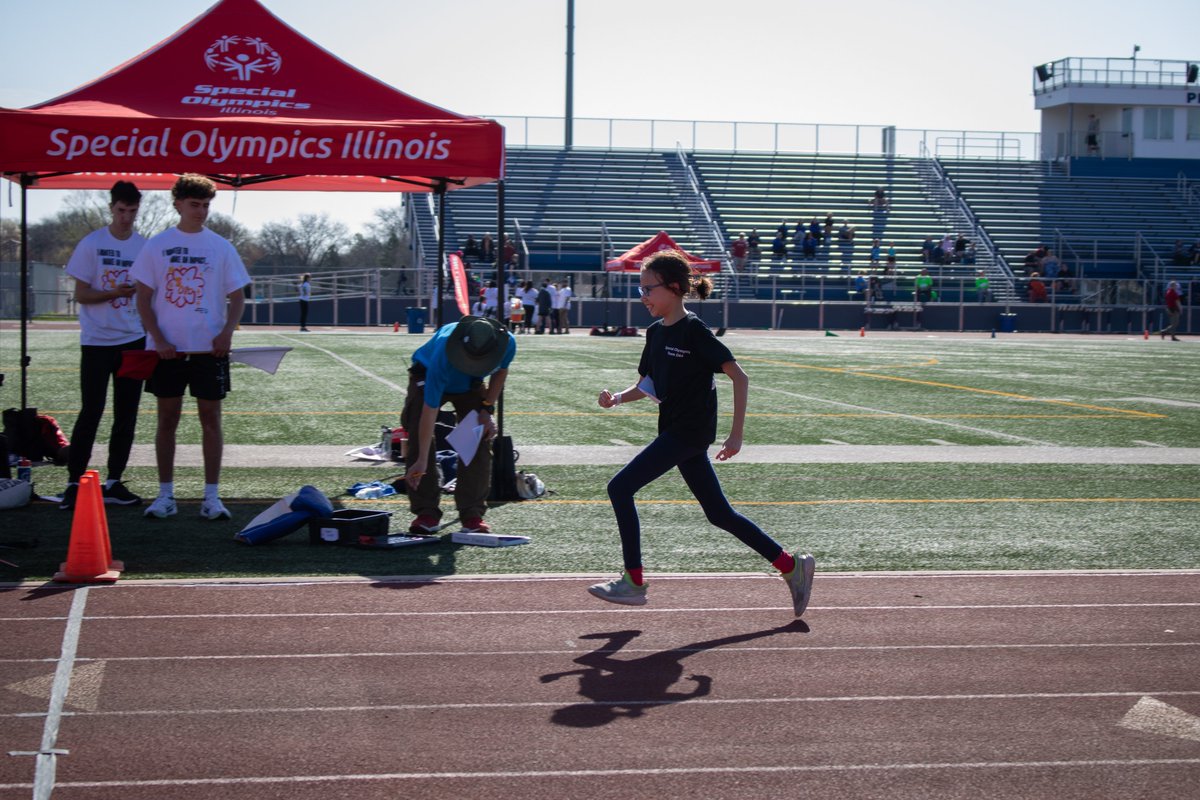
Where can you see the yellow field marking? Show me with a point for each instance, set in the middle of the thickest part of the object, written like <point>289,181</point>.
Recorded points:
<point>938,384</point>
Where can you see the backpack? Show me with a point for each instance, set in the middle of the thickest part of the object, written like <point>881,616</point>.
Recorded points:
<point>529,486</point>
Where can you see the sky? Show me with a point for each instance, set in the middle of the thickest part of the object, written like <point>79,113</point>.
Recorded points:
<point>924,64</point>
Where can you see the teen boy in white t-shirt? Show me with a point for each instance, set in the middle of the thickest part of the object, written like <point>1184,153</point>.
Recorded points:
<point>108,325</point>
<point>189,293</point>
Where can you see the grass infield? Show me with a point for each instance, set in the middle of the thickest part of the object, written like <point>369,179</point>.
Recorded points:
<point>338,388</point>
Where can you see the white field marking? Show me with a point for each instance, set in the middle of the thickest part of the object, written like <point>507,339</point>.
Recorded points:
<point>348,363</point>
<point>1148,444</point>
<point>86,679</point>
<point>912,417</point>
<point>574,650</point>
<point>621,443</point>
<point>942,442</point>
<point>1154,716</point>
<point>47,757</point>
<point>683,772</point>
<point>836,441</point>
<point>692,702</point>
<point>637,610</point>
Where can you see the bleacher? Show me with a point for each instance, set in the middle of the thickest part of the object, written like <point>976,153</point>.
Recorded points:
<point>758,191</point>
<point>1093,222</point>
<point>560,199</point>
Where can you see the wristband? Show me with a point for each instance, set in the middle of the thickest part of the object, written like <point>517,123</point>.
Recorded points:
<point>488,407</point>
<point>618,398</point>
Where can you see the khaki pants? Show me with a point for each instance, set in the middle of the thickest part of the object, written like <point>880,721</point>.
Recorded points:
<point>474,481</point>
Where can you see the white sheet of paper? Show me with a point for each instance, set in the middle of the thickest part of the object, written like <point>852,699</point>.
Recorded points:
<point>646,385</point>
<point>465,437</point>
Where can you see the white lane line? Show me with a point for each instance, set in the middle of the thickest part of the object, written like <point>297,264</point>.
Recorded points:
<point>848,648</point>
<point>682,772</point>
<point>350,364</point>
<point>640,610</point>
<point>47,756</point>
<point>942,442</point>
<point>912,417</point>
<point>835,441</point>
<point>1148,444</point>
<point>690,702</point>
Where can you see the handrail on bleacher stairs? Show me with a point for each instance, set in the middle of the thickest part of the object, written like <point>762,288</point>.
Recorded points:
<point>1190,192</point>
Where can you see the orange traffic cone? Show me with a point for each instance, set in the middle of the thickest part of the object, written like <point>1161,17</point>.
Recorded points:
<point>89,553</point>
<point>862,331</point>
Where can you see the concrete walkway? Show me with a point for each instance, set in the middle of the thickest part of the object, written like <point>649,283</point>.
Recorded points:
<point>327,456</point>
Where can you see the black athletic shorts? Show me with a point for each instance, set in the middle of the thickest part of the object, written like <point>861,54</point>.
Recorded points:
<point>205,374</point>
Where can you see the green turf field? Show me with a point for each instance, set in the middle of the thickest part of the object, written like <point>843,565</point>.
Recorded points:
<point>843,392</point>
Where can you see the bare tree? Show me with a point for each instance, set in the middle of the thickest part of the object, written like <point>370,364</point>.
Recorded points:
<point>313,240</point>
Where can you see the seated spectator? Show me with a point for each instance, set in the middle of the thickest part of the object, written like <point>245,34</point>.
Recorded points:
<point>779,245</point>
<point>487,250</point>
<point>782,230</point>
<point>879,201</point>
<point>1063,283</point>
<point>960,249</point>
<point>798,239</point>
<point>874,290</point>
<point>1180,256</point>
<point>927,249</point>
<point>1037,290</point>
<point>809,245</point>
<point>876,252</point>
<point>969,258</point>
<point>814,228</point>
<point>846,232</point>
<point>828,232</point>
<point>510,252</point>
<point>889,267</point>
<point>1033,261</point>
<point>860,284</point>
<point>1196,252</point>
<point>947,249</point>
<point>470,251</point>
<point>752,244</point>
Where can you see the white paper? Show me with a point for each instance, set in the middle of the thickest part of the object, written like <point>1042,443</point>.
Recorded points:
<point>465,437</point>
<point>265,358</point>
<point>646,386</point>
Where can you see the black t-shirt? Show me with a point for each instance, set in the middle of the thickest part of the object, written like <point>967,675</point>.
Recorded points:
<point>681,359</point>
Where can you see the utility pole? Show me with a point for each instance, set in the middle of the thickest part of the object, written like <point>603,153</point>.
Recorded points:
<point>568,133</point>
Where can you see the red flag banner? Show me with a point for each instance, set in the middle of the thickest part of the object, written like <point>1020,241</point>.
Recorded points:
<point>459,274</point>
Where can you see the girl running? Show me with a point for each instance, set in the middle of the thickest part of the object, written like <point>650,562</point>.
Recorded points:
<point>678,363</point>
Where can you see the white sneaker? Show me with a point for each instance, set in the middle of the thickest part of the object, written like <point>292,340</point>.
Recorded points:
<point>800,581</point>
<point>214,509</point>
<point>162,507</point>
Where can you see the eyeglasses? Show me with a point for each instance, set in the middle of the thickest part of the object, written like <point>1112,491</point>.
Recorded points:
<point>645,290</point>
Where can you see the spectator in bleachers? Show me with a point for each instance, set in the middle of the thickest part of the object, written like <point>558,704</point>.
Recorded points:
<point>738,251</point>
<point>1036,292</point>
<point>947,249</point>
<point>1196,252</point>
<point>889,267</point>
<point>782,230</point>
<point>1172,306</point>
<point>1033,261</point>
<point>891,249</point>
<point>923,292</point>
<point>874,290</point>
<point>860,284</point>
<point>879,201</point>
<point>487,250</point>
<point>828,227</point>
<point>1180,257</point>
<point>752,245</point>
<point>470,251</point>
<point>876,253</point>
<point>846,243</point>
<point>798,240</point>
<point>809,245</point>
<point>927,251</point>
<point>779,245</point>
<point>960,249</point>
<point>510,252</point>
<point>1050,264</point>
<point>983,292</point>
<point>1063,282</point>
<point>969,256</point>
<point>814,228</point>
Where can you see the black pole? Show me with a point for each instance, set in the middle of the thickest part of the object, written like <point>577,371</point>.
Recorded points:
<point>441,257</point>
<point>25,309</point>
<point>568,133</point>
<point>502,310</point>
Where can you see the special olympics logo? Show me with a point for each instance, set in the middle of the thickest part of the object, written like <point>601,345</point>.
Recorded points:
<point>243,57</point>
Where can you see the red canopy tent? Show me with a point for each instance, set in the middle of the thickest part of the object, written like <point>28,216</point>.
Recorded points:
<point>239,95</point>
<point>631,261</point>
<point>242,97</point>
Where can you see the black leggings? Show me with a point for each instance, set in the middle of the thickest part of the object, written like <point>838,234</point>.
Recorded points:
<point>692,460</point>
<point>96,365</point>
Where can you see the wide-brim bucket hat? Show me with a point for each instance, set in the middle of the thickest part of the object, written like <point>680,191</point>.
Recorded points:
<point>477,346</point>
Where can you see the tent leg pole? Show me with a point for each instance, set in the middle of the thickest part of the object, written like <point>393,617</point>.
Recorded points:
<point>502,311</point>
<point>26,311</point>
<point>441,259</point>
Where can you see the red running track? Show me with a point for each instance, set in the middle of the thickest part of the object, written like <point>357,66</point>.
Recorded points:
<point>1031,685</point>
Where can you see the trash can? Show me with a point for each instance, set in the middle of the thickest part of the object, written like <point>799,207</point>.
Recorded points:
<point>1008,323</point>
<point>416,319</point>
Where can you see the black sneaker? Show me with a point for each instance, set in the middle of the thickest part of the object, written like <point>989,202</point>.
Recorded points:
<point>68,496</point>
<point>119,495</point>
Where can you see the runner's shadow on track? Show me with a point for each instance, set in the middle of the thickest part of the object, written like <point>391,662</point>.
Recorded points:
<point>628,687</point>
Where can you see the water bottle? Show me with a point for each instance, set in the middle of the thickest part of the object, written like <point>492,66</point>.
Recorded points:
<point>25,470</point>
<point>399,444</point>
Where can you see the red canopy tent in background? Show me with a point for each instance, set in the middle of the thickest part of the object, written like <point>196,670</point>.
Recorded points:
<point>242,97</point>
<point>631,261</point>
